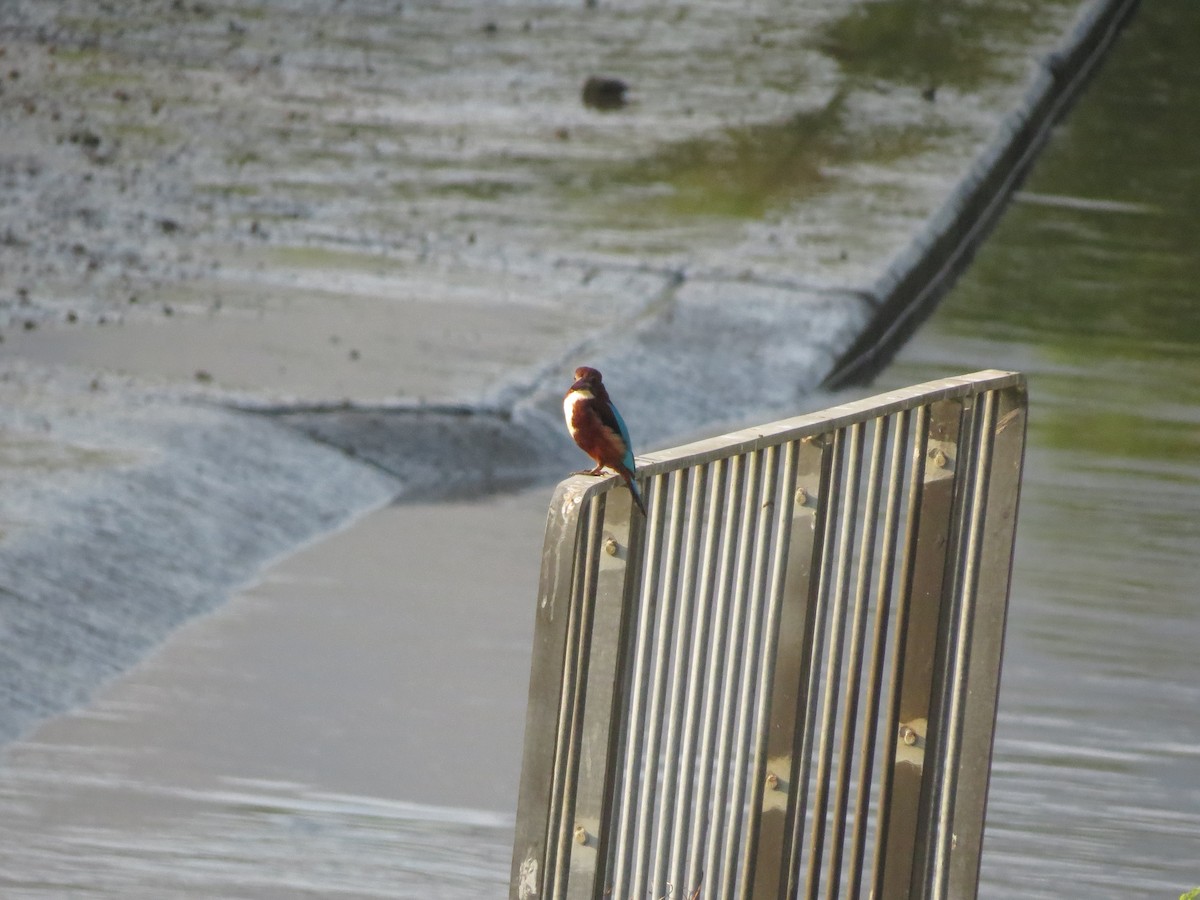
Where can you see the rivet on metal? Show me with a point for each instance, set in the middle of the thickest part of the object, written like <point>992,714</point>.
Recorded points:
<point>611,546</point>
<point>908,735</point>
<point>581,834</point>
<point>939,458</point>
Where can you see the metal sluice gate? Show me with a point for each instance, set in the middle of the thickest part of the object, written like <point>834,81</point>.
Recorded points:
<point>782,682</point>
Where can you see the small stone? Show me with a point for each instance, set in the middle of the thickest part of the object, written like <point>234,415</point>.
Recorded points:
<point>604,93</point>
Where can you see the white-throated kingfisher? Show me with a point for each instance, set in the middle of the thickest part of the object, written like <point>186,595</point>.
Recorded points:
<point>599,430</point>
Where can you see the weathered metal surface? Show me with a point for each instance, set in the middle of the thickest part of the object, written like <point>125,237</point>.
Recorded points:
<point>718,720</point>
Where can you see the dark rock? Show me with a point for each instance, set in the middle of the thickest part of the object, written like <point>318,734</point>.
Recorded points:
<point>85,138</point>
<point>604,93</point>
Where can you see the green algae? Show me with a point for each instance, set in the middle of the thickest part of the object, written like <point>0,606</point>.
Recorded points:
<point>749,171</point>
<point>927,44</point>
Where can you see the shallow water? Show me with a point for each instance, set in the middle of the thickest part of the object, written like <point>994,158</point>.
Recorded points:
<point>250,839</point>
<point>1091,285</point>
<point>348,727</point>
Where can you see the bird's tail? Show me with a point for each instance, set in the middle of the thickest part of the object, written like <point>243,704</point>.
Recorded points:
<point>634,490</point>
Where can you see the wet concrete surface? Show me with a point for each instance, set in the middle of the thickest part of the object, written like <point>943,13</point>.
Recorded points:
<point>284,191</point>
<point>339,214</point>
<point>120,519</point>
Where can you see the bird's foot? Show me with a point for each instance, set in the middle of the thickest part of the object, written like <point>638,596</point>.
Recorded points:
<point>599,470</point>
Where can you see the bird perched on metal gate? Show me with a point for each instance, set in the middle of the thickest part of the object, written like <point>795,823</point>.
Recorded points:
<point>599,430</point>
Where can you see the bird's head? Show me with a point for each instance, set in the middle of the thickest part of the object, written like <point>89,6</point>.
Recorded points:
<point>586,378</point>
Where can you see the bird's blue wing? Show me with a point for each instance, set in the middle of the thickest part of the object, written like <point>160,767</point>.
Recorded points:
<point>627,459</point>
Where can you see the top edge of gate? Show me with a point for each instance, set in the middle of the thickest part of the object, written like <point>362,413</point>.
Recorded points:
<point>814,424</point>
<point>810,425</point>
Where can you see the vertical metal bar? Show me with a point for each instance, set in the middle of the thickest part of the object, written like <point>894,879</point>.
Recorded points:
<point>785,726</point>
<point>900,634</point>
<point>719,838</point>
<point>834,663</point>
<point>712,816</point>
<point>616,791</point>
<point>915,659</point>
<point>866,557</point>
<point>643,843</point>
<point>828,514</point>
<point>883,603</point>
<point>554,861</point>
<point>649,604</point>
<point>689,830</point>
<point>575,679</point>
<point>987,643</point>
<point>751,672</point>
<point>596,728</point>
<point>933,784</point>
<point>668,821</point>
<point>541,718</point>
<point>969,568</point>
<point>784,499</point>
<point>785,729</point>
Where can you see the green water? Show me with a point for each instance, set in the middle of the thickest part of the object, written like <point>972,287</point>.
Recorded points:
<point>1091,285</point>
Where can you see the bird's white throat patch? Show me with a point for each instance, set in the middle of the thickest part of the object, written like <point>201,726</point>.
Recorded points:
<point>569,403</point>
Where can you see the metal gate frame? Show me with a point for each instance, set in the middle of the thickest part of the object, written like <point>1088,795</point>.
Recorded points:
<point>708,685</point>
